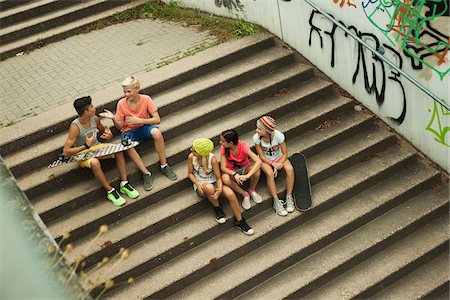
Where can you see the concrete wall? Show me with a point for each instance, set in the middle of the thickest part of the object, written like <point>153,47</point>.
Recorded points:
<point>415,38</point>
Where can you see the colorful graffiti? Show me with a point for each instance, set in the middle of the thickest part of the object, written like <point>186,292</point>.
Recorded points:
<point>417,26</point>
<point>348,2</point>
<point>230,4</point>
<point>437,126</point>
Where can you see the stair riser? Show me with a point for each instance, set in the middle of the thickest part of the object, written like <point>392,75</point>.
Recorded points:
<point>235,82</point>
<point>405,270</point>
<point>357,259</point>
<point>364,219</point>
<point>35,137</point>
<point>276,232</point>
<point>8,4</point>
<point>235,56</point>
<point>36,12</point>
<point>59,21</point>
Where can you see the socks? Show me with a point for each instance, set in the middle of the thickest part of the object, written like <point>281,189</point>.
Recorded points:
<point>122,183</point>
<point>163,166</point>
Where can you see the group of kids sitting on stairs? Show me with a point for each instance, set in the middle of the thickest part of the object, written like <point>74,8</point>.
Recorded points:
<point>137,116</point>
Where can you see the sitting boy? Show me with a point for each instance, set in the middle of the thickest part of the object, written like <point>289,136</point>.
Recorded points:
<point>137,117</point>
<point>83,137</point>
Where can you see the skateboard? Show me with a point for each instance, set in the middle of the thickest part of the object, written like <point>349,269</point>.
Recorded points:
<point>302,186</point>
<point>114,148</point>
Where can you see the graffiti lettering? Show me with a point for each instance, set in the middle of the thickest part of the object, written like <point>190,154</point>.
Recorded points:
<point>230,4</point>
<point>372,68</point>
<point>436,125</point>
<point>344,2</point>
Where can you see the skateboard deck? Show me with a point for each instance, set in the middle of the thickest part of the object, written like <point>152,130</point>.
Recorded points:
<point>302,186</point>
<point>114,148</point>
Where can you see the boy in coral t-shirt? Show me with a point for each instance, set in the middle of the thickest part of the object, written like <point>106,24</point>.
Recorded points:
<point>137,117</point>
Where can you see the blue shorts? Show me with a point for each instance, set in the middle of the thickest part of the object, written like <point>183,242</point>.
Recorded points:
<point>139,134</point>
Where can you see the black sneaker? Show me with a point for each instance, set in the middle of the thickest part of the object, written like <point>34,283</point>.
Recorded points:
<point>220,215</point>
<point>242,225</point>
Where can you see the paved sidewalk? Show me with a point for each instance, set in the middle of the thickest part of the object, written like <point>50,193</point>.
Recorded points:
<point>80,65</point>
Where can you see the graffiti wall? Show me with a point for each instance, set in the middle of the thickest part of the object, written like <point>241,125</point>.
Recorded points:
<point>413,34</point>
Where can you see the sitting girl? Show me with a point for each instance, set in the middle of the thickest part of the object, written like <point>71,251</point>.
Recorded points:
<point>204,172</point>
<point>236,167</point>
<point>272,150</point>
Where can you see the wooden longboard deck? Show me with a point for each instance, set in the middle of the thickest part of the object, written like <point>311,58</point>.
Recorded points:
<point>302,186</point>
<point>110,149</point>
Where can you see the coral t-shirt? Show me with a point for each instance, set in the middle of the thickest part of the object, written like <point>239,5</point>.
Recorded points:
<point>238,161</point>
<point>143,110</point>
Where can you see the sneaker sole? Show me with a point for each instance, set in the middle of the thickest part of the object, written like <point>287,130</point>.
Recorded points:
<point>250,232</point>
<point>221,221</point>
<point>125,193</point>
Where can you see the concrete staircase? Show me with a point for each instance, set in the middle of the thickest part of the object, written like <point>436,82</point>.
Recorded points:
<point>28,24</point>
<point>379,223</point>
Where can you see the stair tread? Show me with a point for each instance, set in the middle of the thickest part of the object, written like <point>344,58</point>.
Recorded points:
<point>230,241</point>
<point>22,8</point>
<point>157,212</point>
<point>42,36</point>
<point>303,273</point>
<point>312,232</point>
<point>420,282</point>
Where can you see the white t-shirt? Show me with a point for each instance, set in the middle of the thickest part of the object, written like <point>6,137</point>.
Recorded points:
<point>202,175</point>
<point>272,150</point>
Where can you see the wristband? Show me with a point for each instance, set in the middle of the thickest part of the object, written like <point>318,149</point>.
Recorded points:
<point>234,174</point>
<point>86,146</point>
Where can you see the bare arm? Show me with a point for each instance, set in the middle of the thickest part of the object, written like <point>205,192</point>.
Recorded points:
<point>252,155</point>
<point>74,132</point>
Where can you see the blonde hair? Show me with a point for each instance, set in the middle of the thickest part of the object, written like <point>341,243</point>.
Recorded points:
<point>131,81</point>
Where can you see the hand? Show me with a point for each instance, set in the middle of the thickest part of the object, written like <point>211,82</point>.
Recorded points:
<point>240,179</point>
<point>106,114</point>
<point>91,140</point>
<point>107,134</point>
<point>217,193</point>
<point>133,120</point>
<point>199,187</point>
<point>277,165</point>
<point>275,172</point>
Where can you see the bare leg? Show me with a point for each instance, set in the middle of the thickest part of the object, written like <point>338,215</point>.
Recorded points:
<point>120,162</point>
<point>136,158</point>
<point>98,173</point>
<point>226,179</point>
<point>208,190</point>
<point>160,146</point>
<point>267,169</point>
<point>290,176</point>
<point>254,179</point>
<point>229,194</point>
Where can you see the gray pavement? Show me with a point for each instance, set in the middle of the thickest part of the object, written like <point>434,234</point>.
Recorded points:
<point>80,65</point>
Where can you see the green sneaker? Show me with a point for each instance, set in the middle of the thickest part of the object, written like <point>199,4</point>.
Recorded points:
<point>115,198</point>
<point>129,190</point>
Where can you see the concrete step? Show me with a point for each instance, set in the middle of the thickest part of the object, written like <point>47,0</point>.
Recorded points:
<point>223,249</point>
<point>185,95</point>
<point>85,220</point>
<point>377,236</point>
<point>155,218</point>
<point>32,10</point>
<point>48,124</point>
<point>59,24</point>
<point>421,283</point>
<point>10,4</point>
<point>58,17</point>
<point>267,261</point>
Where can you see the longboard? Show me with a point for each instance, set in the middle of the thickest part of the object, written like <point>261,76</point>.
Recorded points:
<point>114,148</point>
<point>302,186</point>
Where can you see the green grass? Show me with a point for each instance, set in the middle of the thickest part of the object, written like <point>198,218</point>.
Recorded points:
<point>224,29</point>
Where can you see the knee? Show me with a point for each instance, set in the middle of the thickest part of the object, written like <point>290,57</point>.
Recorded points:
<point>156,134</point>
<point>226,179</point>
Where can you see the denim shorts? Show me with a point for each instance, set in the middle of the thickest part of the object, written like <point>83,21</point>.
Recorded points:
<point>141,133</point>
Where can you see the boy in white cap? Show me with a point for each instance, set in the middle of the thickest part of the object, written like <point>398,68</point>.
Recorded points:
<point>204,172</point>
<point>271,147</point>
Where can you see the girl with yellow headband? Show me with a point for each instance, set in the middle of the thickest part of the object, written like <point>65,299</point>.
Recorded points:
<point>204,172</point>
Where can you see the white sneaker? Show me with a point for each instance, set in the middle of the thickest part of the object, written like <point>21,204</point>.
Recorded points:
<point>246,202</point>
<point>255,196</point>
<point>279,208</point>
<point>290,207</point>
